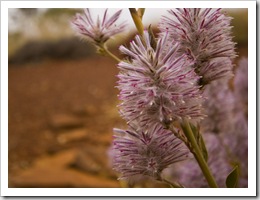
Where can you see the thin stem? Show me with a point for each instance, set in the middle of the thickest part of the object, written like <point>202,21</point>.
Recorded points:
<point>198,154</point>
<point>109,53</point>
<point>137,20</point>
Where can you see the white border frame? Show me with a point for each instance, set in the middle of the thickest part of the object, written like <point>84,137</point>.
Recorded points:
<point>250,191</point>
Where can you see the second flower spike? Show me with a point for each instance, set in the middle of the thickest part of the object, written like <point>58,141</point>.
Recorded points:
<point>138,154</point>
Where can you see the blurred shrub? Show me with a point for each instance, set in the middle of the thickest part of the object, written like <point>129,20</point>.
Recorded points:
<point>52,24</point>
<point>15,41</point>
<point>35,51</point>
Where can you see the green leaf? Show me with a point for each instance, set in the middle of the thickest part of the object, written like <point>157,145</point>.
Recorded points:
<point>232,178</point>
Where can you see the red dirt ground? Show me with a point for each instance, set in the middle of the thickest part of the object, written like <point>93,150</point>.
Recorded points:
<point>41,95</point>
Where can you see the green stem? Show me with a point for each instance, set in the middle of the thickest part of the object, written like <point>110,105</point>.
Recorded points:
<point>109,53</point>
<point>137,20</point>
<point>198,154</point>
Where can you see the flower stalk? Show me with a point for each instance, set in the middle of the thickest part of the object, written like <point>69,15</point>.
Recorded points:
<point>198,154</point>
<point>137,18</point>
<point>104,50</point>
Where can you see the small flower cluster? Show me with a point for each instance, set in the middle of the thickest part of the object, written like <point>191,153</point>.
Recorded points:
<point>227,146</point>
<point>205,36</point>
<point>225,133</point>
<point>189,173</point>
<point>97,32</point>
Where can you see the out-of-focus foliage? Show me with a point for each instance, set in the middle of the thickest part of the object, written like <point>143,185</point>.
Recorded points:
<point>63,49</point>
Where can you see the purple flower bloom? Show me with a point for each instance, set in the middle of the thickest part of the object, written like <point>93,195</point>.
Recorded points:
<point>219,107</point>
<point>157,87</point>
<point>236,141</point>
<point>225,132</point>
<point>97,32</point>
<point>189,173</point>
<point>241,84</point>
<point>205,36</point>
<point>136,154</point>
<point>226,137</point>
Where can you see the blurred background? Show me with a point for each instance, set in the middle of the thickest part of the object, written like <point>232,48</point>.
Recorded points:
<point>62,99</point>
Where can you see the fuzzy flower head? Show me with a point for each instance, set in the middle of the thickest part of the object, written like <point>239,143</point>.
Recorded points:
<point>99,31</point>
<point>205,36</point>
<point>136,154</point>
<point>157,87</point>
